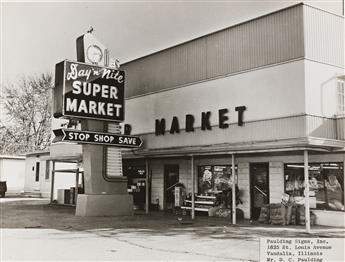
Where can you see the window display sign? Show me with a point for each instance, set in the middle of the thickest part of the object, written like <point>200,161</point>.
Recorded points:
<point>88,91</point>
<point>134,171</point>
<point>215,179</point>
<point>326,182</point>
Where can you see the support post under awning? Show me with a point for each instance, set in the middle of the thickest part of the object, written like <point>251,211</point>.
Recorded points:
<point>306,191</point>
<point>76,186</point>
<point>147,186</point>
<point>52,183</point>
<point>233,189</point>
<point>193,187</point>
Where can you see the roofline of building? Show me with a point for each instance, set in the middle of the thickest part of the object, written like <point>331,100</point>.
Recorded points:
<point>76,158</point>
<point>11,157</point>
<point>228,27</point>
<point>39,152</point>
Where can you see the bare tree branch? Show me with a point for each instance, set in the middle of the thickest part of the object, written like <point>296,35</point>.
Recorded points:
<point>28,108</point>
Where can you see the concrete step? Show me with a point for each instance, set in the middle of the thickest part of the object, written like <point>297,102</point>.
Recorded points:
<point>31,194</point>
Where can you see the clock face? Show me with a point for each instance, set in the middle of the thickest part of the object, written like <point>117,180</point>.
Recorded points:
<point>94,54</point>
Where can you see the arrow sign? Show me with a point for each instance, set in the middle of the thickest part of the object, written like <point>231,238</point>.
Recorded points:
<point>88,137</point>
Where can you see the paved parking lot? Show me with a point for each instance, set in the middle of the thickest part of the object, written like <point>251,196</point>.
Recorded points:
<point>33,230</point>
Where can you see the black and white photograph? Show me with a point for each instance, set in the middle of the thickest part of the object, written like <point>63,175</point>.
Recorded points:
<point>171,130</point>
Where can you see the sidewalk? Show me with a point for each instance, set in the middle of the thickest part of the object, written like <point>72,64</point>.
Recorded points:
<point>19,213</point>
<point>55,233</point>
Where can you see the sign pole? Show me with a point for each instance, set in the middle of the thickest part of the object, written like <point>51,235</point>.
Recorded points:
<point>147,186</point>
<point>76,186</point>
<point>52,183</point>
<point>103,196</point>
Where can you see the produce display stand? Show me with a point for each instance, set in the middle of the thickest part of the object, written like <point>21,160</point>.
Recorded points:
<point>202,203</point>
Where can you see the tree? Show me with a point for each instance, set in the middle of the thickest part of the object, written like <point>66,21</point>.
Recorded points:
<point>28,109</point>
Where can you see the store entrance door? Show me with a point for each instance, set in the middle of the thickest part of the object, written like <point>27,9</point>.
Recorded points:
<point>136,184</point>
<point>259,188</point>
<point>171,177</point>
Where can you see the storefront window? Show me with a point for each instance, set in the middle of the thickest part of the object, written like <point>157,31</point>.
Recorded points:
<point>134,171</point>
<point>214,179</point>
<point>326,183</point>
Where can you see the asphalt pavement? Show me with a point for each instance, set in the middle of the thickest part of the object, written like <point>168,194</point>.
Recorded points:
<point>33,230</point>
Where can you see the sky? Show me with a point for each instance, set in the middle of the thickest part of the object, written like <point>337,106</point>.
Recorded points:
<point>37,35</point>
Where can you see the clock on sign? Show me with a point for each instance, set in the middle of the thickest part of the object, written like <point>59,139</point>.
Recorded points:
<point>94,54</point>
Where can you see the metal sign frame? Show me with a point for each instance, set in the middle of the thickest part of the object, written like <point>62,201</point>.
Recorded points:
<point>60,135</point>
<point>58,93</point>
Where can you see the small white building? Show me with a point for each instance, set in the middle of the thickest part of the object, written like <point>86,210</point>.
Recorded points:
<point>39,167</point>
<point>12,170</point>
<point>35,170</point>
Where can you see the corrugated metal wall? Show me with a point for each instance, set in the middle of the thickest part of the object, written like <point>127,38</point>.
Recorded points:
<point>321,127</point>
<point>296,32</point>
<point>341,128</point>
<point>324,36</point>
<point>270,39</point>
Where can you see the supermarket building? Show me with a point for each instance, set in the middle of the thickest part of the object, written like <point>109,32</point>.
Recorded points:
<point>268,93</point>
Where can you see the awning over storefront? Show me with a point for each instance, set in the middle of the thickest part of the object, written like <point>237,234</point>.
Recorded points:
<point>286,145</point>
<point>302,145</point>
